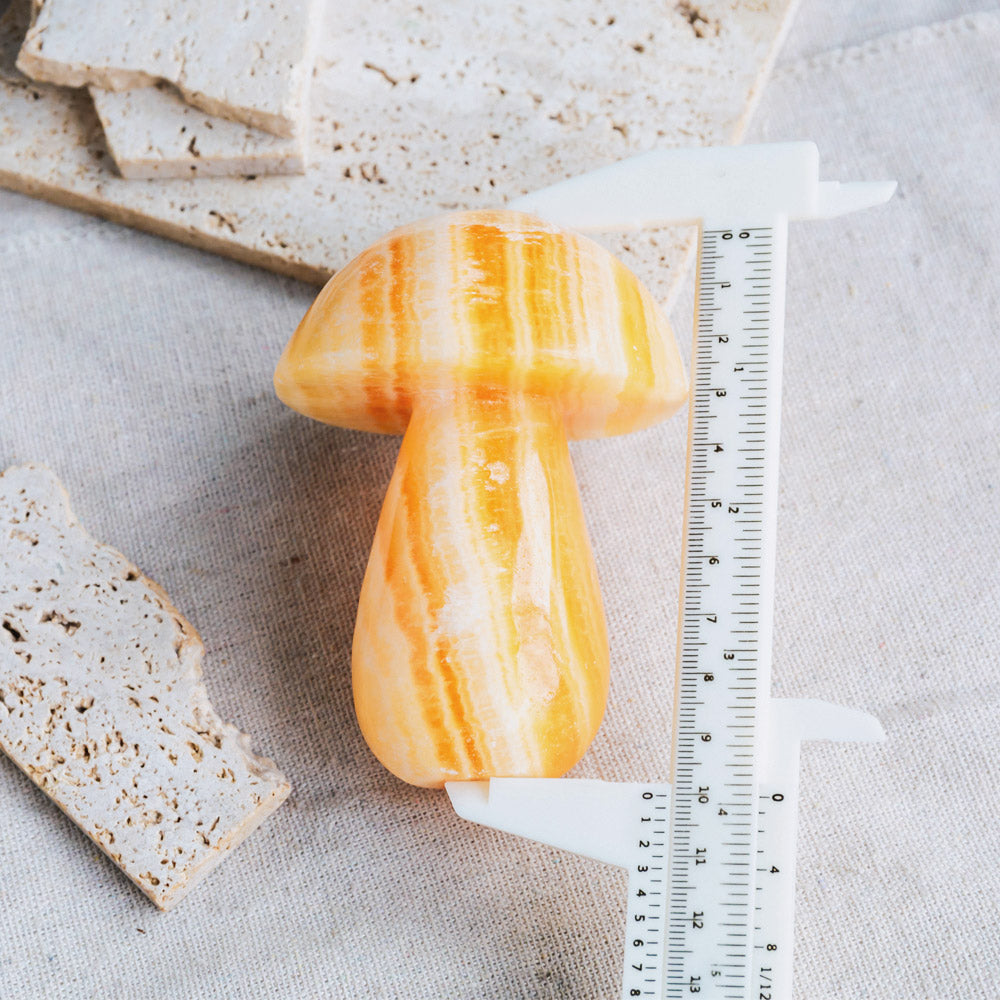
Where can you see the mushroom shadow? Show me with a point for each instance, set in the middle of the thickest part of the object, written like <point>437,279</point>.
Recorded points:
<point>302,501</point>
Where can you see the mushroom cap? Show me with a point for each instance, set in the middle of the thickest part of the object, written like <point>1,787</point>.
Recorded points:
<point>489,301</point>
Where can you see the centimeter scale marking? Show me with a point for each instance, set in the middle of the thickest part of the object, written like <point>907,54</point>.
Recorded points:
<point>724,640</point>
<point>707,889</point>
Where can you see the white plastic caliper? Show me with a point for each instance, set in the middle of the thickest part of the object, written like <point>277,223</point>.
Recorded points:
<point>711,855</point>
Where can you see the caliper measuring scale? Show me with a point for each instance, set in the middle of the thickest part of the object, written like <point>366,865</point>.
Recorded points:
<point>711,854</point>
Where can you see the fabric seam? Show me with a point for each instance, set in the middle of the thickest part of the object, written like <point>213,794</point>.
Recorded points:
<point>892,42</point>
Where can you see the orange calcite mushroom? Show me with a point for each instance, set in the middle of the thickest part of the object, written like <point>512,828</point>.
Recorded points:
<point>489,338</point>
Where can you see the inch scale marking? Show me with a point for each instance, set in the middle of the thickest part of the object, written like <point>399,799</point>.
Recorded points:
<point>711,855</point>
<point>724,640</point>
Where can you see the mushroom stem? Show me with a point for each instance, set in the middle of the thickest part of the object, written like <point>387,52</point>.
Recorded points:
<point>480,646</point>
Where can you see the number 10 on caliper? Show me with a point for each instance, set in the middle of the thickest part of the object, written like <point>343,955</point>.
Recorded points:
<point>711,854</point>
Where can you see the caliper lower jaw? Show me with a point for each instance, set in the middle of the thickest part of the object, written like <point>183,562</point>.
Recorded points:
<point>594,818</point>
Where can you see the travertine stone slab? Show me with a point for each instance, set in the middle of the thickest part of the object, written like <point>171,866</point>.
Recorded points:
<point>102,705</point>
<point>416,111</point>
<point>151,132</point>
<point>250,62</point>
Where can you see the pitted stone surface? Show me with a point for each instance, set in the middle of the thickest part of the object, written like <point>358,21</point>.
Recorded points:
<point>102,705</point>
<point>152,133</point>
<point>250,62</point>
<point>415,112</point>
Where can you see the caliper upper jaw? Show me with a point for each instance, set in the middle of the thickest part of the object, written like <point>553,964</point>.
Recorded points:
<point>676,186</point>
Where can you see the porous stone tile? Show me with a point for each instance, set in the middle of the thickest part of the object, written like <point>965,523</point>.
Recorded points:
<point>102,704</point>
<point>151,132</point>
<point>250,62</point>
<point>415,112</point>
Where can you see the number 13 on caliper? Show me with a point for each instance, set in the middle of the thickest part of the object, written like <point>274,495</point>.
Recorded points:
<point>711,855</point>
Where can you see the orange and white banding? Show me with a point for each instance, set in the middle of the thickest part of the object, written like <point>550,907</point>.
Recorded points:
<point>489,338</point>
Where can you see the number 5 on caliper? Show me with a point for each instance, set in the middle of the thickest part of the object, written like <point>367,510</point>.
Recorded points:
<point>711,855</point>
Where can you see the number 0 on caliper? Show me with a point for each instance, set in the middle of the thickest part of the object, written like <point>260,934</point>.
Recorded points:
<point>711,854</point>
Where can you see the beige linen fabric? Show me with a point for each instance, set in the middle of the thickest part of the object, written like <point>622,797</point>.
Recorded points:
<point>140,371</point>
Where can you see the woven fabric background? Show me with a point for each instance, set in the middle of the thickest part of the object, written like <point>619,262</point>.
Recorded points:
<point>140,372</point>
